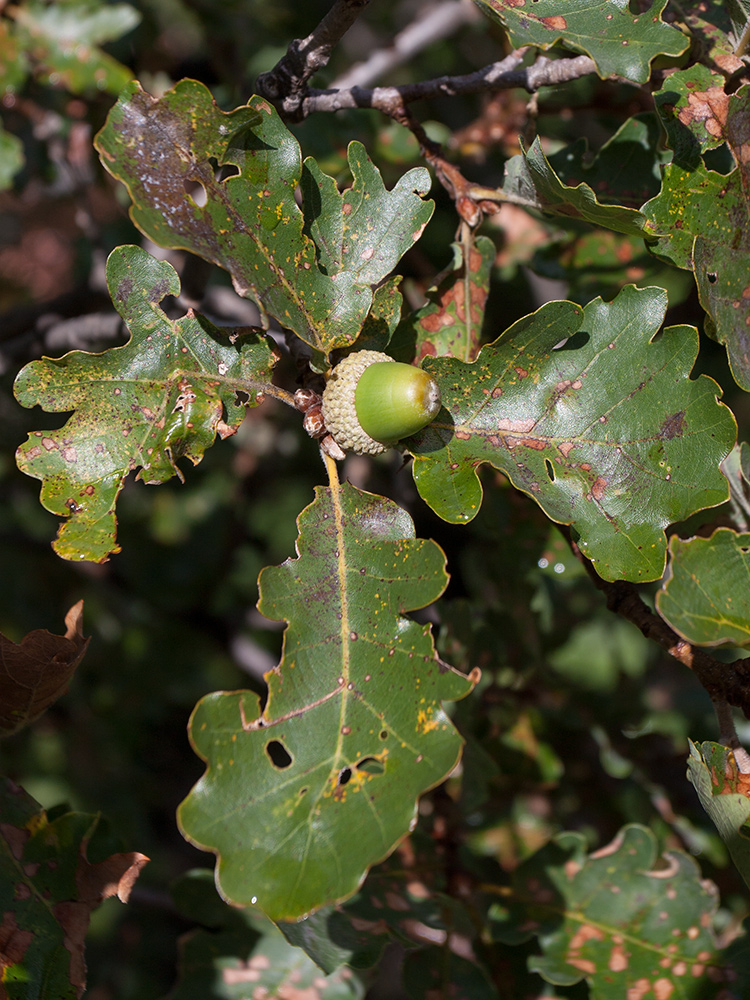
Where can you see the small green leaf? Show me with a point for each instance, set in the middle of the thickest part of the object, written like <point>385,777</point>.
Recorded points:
<point>367,229</point>
<point>691,105</point>
<point>706,598</point>
<point>621,41</point>
<point>11,158</point>
<point>723,791</point>
<point>615,918</point>
<point>63,39</point>
<point>353,730</point>
<point>14,59</point>
<point>532,181</point>
<point>607,433</point>
<point>312,271</point>
<point>162,397</point>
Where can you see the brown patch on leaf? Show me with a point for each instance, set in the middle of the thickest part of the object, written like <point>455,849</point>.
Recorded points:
<point>663,989</point>
<point>673,426</point>
<point>518,426</point>
<point>599,488</point>
<point>14,942</point>
<point>37,671</point>
<point>708,106</point>
<point>528,442</point>
<point>556,22</point>
<point>618,958</point>
<point>639,989</point>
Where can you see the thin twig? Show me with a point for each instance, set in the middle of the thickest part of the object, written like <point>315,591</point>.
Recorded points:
<point>287,81</point>
<point>429,25</point>
<point>724,682</point>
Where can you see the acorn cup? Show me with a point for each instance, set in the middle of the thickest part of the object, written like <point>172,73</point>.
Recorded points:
<point>370,402</point>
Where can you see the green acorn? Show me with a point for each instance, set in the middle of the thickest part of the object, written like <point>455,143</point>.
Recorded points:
<point>371,401</point>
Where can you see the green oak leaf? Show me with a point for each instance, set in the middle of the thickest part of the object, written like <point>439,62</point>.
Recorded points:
<point>162,397</point>
<point>625,171</point>
<point>11,158</point>
<point>532,180</point>
<point>723,792</point>
<point>450,323</point>
<point>617,918</point>
<point>54,870</point>
<point>312,268</point>
<point>690,202</point>
<point>234,947</point>
<point>703,219</point>
<point>365,230</point>
<point>621,41</point>
<point>600,262</point>
<point>63,39</point>
<point>706,596</point>
<point>607,433</point>
<point>383,317</point>
<point>691,106</point>
<point>353,730</point>
<point>14,59</point>
<point>710,25</point>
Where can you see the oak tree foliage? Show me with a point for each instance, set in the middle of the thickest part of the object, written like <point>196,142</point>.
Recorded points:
<point>449,707</point>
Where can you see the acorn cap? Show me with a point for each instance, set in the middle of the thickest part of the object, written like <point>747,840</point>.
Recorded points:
<point>395,400</point>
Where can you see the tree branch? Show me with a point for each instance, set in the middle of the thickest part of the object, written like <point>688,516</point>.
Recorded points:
<point>428,26</point>
<point>504,75</point>
<point>724,682</point>
<point>287,81</point>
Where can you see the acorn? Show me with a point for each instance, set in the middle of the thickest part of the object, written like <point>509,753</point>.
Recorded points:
<point>371,401</point>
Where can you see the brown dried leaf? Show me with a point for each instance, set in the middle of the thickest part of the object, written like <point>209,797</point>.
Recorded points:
<point>37,671</point>
<point>115,875</point>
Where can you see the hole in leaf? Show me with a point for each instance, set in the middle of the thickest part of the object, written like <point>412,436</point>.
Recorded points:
<point>195,191</point>
<point>278,754</point>
<point>550,470</point>
<point>302,791</point>
<point>744,550</point>
<point>574,343</point>
<point>370,765</point>
<point>713,277</point>
<point>228,170</point>
<point>241,398</point>
<point>344,776</point>
<point>383,734</point>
